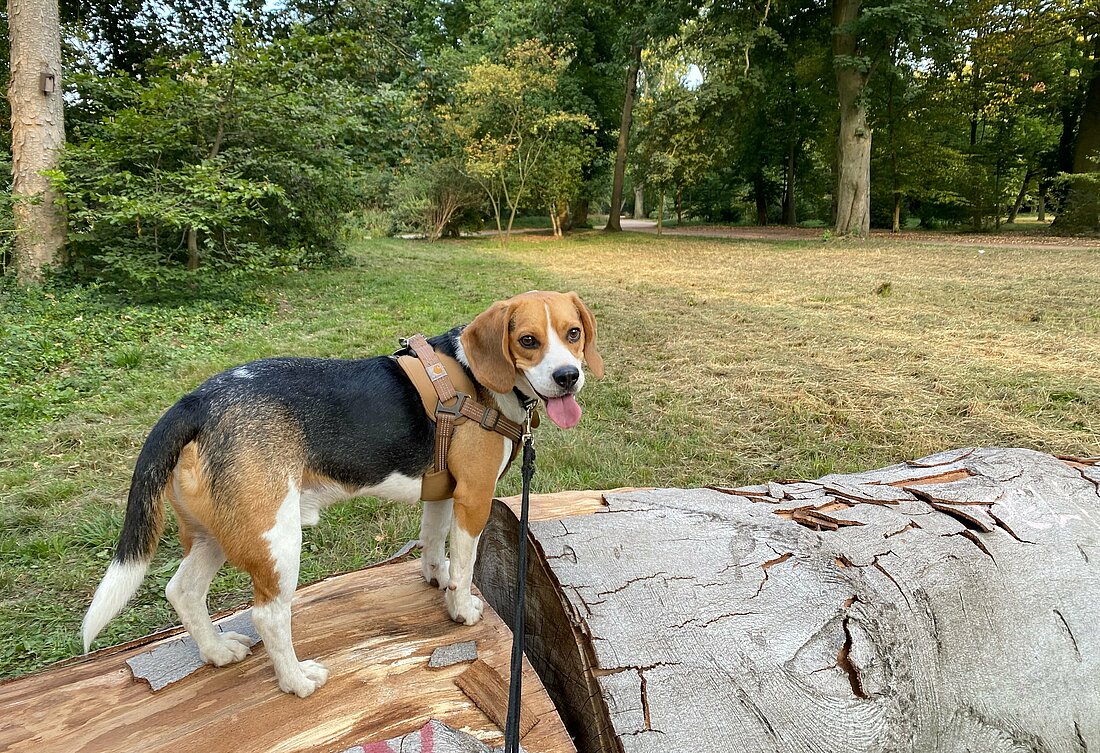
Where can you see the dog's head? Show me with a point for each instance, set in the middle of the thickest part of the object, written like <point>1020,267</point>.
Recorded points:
<point>536,342</point>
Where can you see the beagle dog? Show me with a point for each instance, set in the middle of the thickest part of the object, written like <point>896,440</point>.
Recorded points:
<point>257,452</point>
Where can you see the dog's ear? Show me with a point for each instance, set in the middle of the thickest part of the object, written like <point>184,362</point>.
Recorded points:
<point>591,356</point>
<point>485,342</point>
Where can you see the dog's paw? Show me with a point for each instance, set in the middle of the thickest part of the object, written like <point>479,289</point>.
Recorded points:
<point>437,573</point>
<point>310,676</point>
<point>464,609</point>
<point>228,648</point>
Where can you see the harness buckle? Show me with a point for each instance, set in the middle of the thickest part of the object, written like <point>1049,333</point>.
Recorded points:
<point>485,423</point>
<point>453,410</point>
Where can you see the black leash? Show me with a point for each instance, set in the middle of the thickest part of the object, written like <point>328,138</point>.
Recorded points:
<point>515,680</point>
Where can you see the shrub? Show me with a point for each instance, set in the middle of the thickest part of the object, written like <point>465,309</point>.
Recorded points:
<point>240,164</point>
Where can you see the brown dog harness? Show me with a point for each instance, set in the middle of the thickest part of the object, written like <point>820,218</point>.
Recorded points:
<point>449,395</point>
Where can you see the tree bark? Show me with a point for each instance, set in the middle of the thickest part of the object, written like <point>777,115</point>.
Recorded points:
<point>38,133</point>
<point>1041,202</point>
<point>619,178</point>
<point>639,202</point>
<point>1082,206</point>
<point>854,138</point>
<point>945,604</point>
<point>790,212</point>
<point>579,213</point>
<point>895,227</point>
<point>760,195</point>
<point>679,206</point>
<point>193,255</point>
<point>1015,209</point>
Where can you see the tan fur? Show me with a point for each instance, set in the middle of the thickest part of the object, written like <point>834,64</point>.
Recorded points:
<point>491,341</point>
<point>474,460</point>
<point>265,453</point>
<point>485,341</point>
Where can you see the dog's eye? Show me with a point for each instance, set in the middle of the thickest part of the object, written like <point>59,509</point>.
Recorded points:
<point>573,334</point>
<point>529,342</point>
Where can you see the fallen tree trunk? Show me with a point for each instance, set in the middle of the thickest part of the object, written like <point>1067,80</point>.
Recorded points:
<point>948,604</point>
<point>397,664</point>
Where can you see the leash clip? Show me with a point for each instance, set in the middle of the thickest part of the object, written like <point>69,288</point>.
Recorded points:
<point>527,424</point>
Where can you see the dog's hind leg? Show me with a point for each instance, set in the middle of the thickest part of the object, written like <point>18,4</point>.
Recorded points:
<point>274,581</point>
<point>435,523</point>
<point>187,592</point>
<point>203,557</point>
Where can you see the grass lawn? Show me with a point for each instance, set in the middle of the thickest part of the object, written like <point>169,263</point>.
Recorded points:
<point>727,362</point>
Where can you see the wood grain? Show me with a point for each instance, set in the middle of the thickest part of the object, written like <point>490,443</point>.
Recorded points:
<point>375,629</point>
<point>949,604</point>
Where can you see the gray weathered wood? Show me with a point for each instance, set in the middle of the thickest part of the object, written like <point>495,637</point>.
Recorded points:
<point>949,604</point>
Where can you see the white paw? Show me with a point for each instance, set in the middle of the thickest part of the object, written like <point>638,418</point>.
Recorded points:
<point>228,648</point>
<point>310,676</point>
<point>436,573</point>
<point>465,609</point>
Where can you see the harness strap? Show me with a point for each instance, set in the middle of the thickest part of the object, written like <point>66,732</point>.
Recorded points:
<point>453,406</point>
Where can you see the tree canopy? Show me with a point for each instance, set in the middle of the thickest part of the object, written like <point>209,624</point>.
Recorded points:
<point>242,135</point>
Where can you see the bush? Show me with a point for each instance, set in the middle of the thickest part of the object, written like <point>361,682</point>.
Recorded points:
<point>242,164</point>
<point>436,200</point>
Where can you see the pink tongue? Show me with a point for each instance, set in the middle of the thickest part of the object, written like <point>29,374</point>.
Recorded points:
<point>564,411</point>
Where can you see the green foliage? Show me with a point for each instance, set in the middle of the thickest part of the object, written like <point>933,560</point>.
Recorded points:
<point>64,343</point>
<point>508,120</point>
<point>436,199</point>
<point>250,156</point>
<point>7,222</point>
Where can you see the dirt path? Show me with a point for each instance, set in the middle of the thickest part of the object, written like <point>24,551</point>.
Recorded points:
<point>1016,240</point>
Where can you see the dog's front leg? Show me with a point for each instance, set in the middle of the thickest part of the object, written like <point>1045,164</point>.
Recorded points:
<point>471,512</point>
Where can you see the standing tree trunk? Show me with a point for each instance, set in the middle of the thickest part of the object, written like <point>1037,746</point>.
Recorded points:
<point>579,213</point>
<point>1015,209</point>
<point>613,223</point>
<point>661,213</point>
<point>639,202</point>
<point>853,216</point>
<point>37,134</point>
<point>1082,207</point>
<point>1041,202</point>
<point>790,213</point>
<point>759,190</point>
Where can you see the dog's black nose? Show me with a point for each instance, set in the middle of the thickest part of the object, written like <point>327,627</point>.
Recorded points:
<point>567,376</point>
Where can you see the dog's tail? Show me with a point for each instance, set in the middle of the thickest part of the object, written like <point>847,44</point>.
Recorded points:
<point>144,521</point>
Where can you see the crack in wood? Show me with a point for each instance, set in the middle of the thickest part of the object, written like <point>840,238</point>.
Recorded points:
<point>968,519</point>
<point>844,660</point>
<point>976,541</point>
<point>1080,738</point>
<point>1086,477</point>
<point>706,623</point>
<point>645,701</point>
<point>639,579</point>
<point>886,572</point>
<point>911,525</point>
<point>767,566</point>
<point>1008,530</point>
<point>605,671</point>
<point>1069,633</point>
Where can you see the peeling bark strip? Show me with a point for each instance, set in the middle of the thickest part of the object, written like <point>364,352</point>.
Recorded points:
<point>946,604</point>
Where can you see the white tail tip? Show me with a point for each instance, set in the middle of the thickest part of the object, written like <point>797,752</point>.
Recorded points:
<point>120,583</point>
